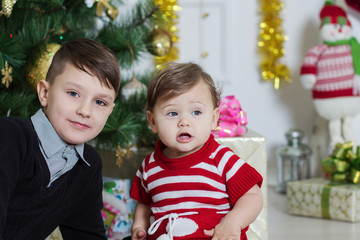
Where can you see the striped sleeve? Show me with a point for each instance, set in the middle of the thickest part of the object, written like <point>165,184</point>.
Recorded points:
<point>244,179</point>
<point>239,176</point>
<point>309,65</point>
<point>138,190</point>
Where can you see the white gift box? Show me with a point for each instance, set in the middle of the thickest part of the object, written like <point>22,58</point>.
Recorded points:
<point>251,147</point>
<point>320,198</point>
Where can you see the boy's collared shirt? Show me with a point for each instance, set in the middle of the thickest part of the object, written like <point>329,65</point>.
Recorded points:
<point>60,157</point>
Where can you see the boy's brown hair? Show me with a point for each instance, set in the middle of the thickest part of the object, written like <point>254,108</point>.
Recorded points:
<point>175,79</point>
<point>88,56</point>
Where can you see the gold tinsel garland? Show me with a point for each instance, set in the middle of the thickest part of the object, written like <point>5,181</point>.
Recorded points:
<point>270,43</point>
<point>169,9</point>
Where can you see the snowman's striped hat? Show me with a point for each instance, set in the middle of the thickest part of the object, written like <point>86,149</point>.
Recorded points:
<point>333,14</point>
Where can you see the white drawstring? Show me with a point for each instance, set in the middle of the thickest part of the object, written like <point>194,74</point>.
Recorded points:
<point>172,220</point>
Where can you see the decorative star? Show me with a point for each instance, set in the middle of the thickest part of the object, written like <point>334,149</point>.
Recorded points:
<point>122,154</point>
<point>7,7</point>
<point>7,79</point>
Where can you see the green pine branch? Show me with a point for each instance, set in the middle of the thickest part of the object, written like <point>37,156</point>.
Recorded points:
<point>33,24</point>
<point>18,104</point>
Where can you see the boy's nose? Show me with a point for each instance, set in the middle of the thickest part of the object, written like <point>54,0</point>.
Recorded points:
<point>84,109</point>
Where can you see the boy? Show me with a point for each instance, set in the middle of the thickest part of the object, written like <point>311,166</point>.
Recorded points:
<point>193,187</point>
<point>49,176</point>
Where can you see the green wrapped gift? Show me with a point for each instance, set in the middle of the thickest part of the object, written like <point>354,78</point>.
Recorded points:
<point>324,199</point>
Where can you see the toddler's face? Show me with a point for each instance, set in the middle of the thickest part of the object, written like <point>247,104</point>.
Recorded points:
<point>184,123</point>
<point>76,104</point>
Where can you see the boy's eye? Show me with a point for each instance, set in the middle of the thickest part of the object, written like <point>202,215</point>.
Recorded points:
<point>197,112</point>
<point>101,103</point>
<point>73,94</point>
<point>172,114</point>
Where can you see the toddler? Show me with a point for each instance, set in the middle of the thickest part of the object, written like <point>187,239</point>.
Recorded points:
<point>190,186</point>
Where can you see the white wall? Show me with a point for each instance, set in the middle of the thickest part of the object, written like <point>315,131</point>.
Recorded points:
<point>270,112</point>
<point>273,112</point>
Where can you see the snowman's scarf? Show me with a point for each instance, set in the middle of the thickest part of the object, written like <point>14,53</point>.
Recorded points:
<point>355,51</point>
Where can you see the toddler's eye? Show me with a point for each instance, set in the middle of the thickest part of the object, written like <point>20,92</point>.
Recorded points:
<point>172,114</point>
<point>197,112</point>
<point>101,103</point>
<point>73,94</point>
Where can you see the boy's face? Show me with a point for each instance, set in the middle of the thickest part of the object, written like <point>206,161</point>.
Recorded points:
<point>76,104</point>
<point>184,123</point>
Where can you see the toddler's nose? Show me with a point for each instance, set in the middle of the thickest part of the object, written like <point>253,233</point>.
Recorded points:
<point>184,122</point>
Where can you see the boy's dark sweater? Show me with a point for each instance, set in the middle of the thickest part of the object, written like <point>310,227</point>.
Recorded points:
<point>31,210</point>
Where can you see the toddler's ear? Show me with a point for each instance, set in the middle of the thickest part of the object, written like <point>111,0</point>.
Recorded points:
<point>42,90</point>
<point>215,118</point>
<point>151,120</point>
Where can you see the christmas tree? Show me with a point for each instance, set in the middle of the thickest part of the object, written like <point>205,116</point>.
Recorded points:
<point>32,31</point>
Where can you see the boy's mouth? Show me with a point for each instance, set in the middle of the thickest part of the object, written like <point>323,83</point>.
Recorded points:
<point>79,125</point>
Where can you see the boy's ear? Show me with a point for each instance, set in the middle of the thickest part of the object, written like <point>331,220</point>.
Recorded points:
<point>113,105</point>
<point>216,115</point>
<point>42,90</point>
<point>151,120</point>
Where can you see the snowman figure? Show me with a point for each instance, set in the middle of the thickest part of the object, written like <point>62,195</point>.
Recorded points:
<point>331,70</point>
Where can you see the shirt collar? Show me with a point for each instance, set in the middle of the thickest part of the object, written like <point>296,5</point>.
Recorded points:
<point>50,141</point>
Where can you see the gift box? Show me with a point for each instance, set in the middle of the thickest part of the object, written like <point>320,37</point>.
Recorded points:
<point>121,225</point>
<point>323,198</point>
<point>251,147</point>
<point>120,188</point>
<point>118,224</point>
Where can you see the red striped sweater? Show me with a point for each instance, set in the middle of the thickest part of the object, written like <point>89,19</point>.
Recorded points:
<point>203,186</point>
<point>334,70</point>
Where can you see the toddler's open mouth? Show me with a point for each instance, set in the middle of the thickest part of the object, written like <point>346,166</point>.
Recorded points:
<point>184,135</point>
